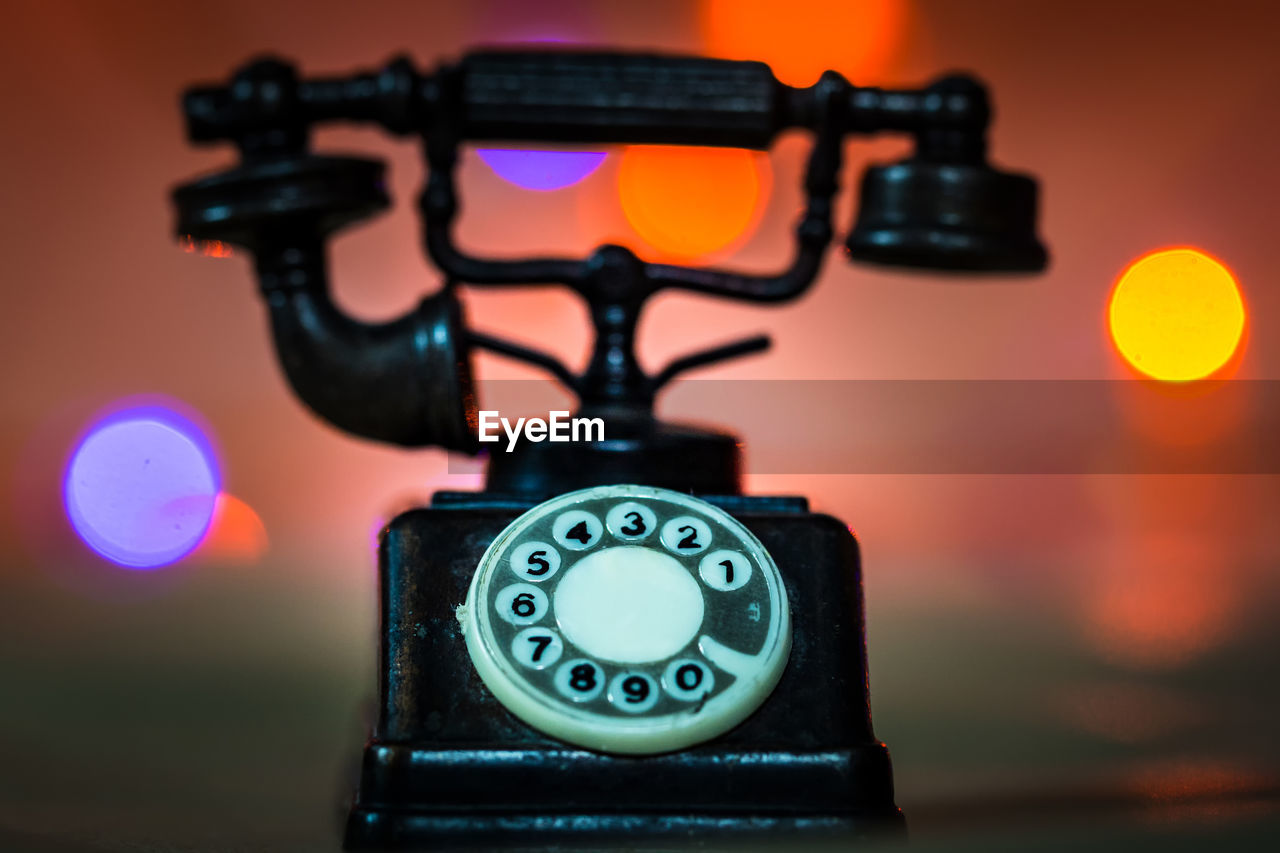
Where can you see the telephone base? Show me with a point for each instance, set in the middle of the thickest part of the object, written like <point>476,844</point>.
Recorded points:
<point>449,766</point>
<point>543,795</point>
<point>377,829</point>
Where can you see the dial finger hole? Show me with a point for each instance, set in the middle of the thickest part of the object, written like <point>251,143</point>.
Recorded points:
<point>633,692</point>
<point>576,530</point>
<point>579,680</point>
<point>725,570</point>
<point>686,534</point>
<point>535,561</point>
<point>521,604</point>
<point>631,521</point>
<point>688,680</point>
<point>537,648</point>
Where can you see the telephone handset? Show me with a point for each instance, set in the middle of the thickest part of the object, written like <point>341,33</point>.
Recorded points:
<point>609,642</point>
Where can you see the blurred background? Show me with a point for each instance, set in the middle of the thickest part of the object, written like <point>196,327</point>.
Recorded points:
<point>1053,656</point>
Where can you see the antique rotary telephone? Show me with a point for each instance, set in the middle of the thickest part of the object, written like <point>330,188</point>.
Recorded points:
<point>610,642</point>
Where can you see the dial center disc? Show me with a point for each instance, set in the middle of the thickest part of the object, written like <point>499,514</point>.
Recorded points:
<point>629,605</point>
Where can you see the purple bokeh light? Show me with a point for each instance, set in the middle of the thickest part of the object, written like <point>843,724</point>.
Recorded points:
<point>141,486</point>
<point>541,170</point>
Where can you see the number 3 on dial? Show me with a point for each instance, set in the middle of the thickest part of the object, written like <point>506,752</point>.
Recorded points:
<point>631,521</point>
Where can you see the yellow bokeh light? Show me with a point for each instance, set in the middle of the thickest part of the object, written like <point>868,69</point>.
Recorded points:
<point>799,39</point>
<point>1176,315</point>
<point>688,202</point>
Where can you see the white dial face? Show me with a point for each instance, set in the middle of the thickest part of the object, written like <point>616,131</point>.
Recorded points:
<point>628,619</point>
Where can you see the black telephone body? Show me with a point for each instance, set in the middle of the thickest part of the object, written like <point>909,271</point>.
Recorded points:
<point>610,643</point>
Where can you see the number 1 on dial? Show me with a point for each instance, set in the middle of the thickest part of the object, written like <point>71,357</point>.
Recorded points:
<point>725,570</point>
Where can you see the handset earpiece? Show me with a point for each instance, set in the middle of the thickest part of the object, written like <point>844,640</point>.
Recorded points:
<point>407,381</point>
<point>947,216</point>
<point>281,197</point>
<point>946,207</point>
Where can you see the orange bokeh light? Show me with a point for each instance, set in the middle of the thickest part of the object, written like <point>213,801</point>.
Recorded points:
<point>1184,414</point>
<point>208,248</point>
<point>800,39</point>
<point>1176,315</point>
<point>236,533</point>
<point>688,202</point>
<point>1165,600</point>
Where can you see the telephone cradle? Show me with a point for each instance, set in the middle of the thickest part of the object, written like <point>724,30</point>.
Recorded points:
<point>611,643</point>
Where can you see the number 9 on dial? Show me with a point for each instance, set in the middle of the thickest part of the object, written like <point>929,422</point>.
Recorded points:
<point>633,692</point>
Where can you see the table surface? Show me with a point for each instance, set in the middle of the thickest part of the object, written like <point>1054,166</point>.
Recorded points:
<point>223,714</point>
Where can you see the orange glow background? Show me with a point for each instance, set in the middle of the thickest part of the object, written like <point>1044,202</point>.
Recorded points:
<point>1026,633</point>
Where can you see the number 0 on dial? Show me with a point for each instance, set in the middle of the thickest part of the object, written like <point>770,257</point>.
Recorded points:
<point>628,619</point>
